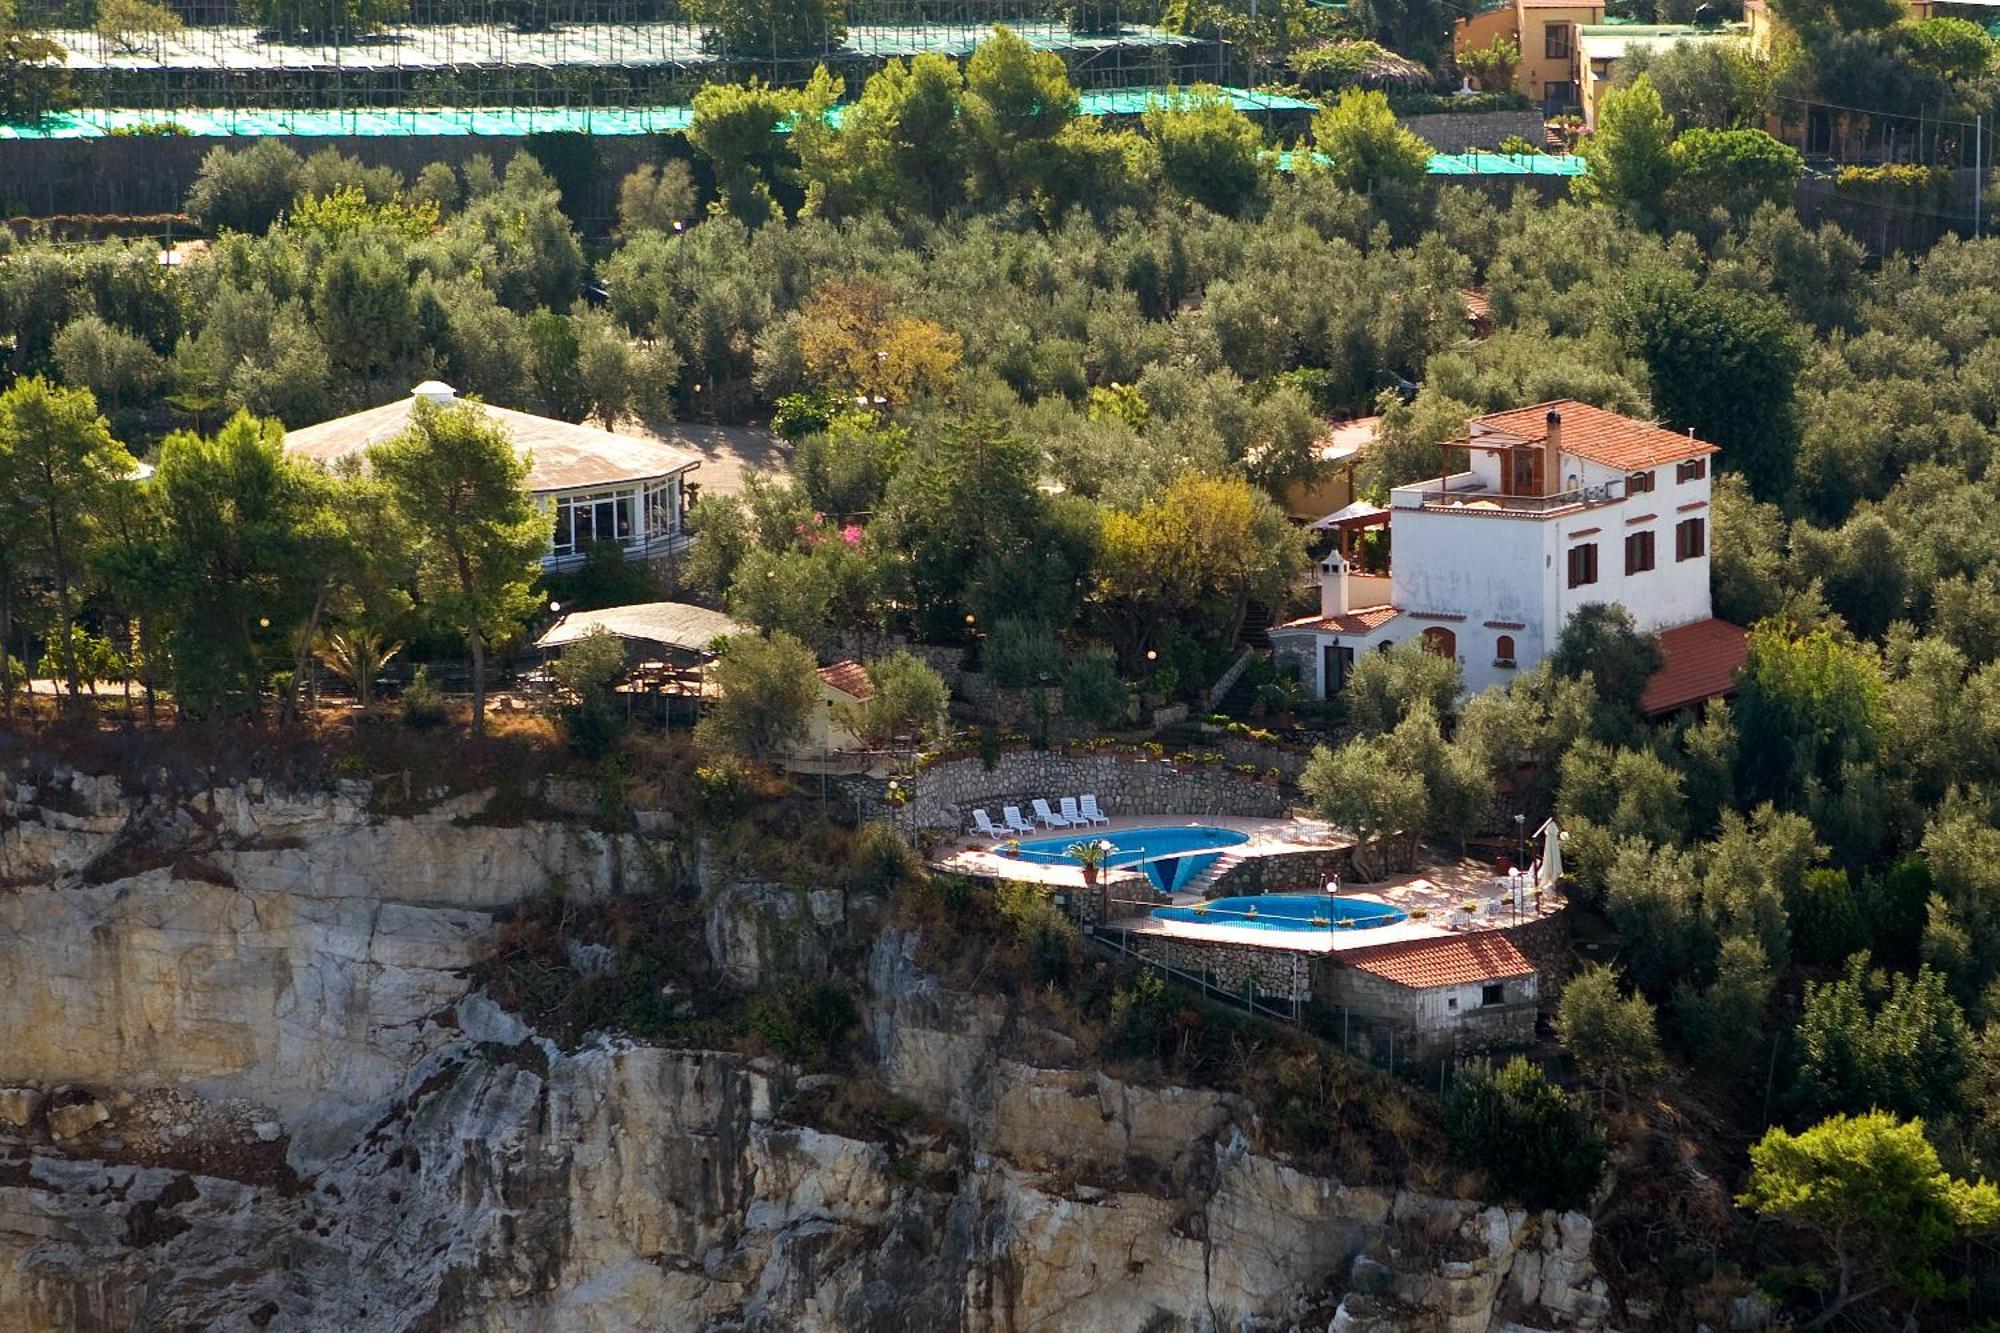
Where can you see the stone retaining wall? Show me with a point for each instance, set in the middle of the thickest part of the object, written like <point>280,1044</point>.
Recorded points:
<point>1285,872</point>
<point>1233,968</point>
<point>1243,750</point>
<point>945,794</point>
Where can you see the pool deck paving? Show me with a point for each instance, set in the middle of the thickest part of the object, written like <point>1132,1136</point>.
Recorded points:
<point>976,855</point>
<point>1440,888</point>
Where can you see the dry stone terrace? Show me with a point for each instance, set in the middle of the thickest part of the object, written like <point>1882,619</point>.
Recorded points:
<point>944,794</point>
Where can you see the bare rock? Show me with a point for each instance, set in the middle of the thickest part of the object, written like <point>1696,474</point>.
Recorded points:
<point>77,1117</point>
<point>19,1107</point>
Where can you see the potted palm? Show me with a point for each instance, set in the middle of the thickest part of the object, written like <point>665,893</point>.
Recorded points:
<point>1090,855</point>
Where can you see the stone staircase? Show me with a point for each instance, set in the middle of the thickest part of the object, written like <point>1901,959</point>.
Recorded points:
<point>1227,681</point>
<point>1210,876</point>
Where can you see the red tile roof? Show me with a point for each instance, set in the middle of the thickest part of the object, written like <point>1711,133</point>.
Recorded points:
<point>1350,622</point>
<point>850,678</point>
<point>1698,661</point>
<point>1449,960</point>
<point>1593,433</point>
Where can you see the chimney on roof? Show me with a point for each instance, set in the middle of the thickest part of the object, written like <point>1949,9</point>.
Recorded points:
<point>1333,591</point>
<point>1552,457</point>
<point>434,391</point>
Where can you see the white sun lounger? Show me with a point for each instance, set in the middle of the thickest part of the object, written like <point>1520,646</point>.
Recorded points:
<point>1069,811</point>
<point>1049,818</point>
<point>1016,824</point>
<point>982,823</point>
<point>1091,813</point>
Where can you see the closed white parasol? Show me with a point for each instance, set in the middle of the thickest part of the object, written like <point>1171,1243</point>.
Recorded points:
<point>1551,868</point>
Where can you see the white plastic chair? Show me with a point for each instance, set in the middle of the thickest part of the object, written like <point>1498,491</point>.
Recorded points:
<point>1090,811</point>
<point>1069,811</point>
<point>1016,824</point>
<point>1049,818</point>
<point>982,823</point>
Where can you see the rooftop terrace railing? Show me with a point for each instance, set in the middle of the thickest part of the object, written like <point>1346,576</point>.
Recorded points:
<point>1459,494</point>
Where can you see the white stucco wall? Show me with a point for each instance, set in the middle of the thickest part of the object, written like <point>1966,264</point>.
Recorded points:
<point>1483,568</point>
<point>1509,574</point>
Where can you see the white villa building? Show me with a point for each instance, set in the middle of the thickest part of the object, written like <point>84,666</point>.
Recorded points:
<point>1562,505</point>
<point>595,484</point>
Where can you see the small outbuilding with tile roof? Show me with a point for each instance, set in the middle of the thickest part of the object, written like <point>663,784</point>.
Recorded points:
<point>1455,992</point>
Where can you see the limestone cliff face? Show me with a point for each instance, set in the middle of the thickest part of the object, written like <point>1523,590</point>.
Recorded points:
<point>253,1091</point>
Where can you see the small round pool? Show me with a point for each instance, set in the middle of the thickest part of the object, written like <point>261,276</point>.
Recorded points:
<point>1171,857</point>
<point>1288,911</point>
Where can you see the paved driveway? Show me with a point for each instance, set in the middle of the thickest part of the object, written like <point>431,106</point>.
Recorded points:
<point>729,453</point>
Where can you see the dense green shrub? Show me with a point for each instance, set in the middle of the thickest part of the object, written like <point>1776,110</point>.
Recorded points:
<point>1536,1145</point>
<point>1433,104</point>
<point>721,791</point>
<point>423,702</point>
<point>881,859</point>
<point>1019,653</point>
<point>246,190</point>
<point>1092,691</point>
<point>809,1024</point>
<point>1827,924</point>
<point>1049,938</point>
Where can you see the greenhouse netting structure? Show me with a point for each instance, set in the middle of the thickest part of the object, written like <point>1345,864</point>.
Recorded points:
<point>278,57</point>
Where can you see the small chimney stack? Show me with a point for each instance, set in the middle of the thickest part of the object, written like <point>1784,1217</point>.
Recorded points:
<point>1333,584</point>
<point>1552,450</point>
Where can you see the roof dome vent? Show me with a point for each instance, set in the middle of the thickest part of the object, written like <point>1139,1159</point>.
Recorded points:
<point>434,391</point>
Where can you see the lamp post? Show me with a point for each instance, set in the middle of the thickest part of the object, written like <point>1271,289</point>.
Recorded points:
<point>1521,836</point>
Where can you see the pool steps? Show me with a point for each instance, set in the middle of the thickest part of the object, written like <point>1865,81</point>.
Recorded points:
<point>1216,869</point>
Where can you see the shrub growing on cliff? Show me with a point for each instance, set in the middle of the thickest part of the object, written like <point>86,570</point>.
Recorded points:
<point>585,673</point>
<point>423,703</point>
<point>1045,934</point>
<point>808,1024</point>
<point>1536,1146</point>
<point>881,859</point>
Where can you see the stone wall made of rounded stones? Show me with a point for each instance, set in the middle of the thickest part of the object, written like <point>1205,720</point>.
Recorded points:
<point>1233,968</point>
<point>1243,750</point>
<point>946,793</point>
<point>1285,872</point>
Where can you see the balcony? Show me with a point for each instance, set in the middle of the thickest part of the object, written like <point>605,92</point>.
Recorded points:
<point>1468,493</point>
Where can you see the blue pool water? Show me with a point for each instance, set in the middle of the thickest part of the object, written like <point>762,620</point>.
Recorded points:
<point>1171,857</point>
<point>1288,911</point>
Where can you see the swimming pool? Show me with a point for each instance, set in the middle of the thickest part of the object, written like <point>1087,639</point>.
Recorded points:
<point>1171,857</point>
<point>1288,911</point>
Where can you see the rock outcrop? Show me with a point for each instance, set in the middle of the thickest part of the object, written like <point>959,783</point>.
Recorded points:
<point>245,1084</point>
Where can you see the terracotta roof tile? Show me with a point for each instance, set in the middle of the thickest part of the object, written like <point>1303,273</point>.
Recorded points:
<point>850,678</point>
<point>1451,960</point>
<point>1593,433</point>
<point>1698,661</point>
<point>1350,622</point>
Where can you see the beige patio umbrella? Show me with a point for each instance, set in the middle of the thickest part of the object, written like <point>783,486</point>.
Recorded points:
<point>1551,868</point>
